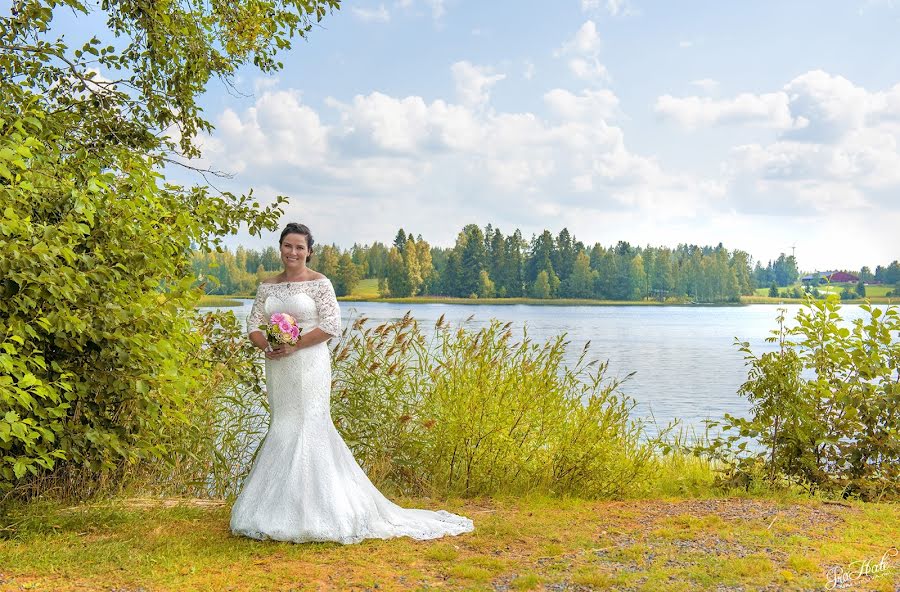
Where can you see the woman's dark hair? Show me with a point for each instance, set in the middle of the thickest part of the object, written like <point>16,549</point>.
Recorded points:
<point>296,228</point>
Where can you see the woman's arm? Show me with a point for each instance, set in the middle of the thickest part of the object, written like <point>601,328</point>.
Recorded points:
<point>255,319</point>
<point>329,323</point>
<point>314,337</point>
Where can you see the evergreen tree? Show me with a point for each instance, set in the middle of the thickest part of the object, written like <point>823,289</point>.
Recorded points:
<point>541,256</point>
<point>400,241</point>
<point>497,255</point>
<point>359,254</point>
<point>785,270</point>
<point>608,275</point>
<point>472,259</point>
<point>450,285</point>
<point>596,255</point>
<point>513,272</point>
<point>563,256</point>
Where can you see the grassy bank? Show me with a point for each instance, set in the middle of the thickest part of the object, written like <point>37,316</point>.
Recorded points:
<point>220,301</point>
<point>367,291</point>
<point>521,543</point>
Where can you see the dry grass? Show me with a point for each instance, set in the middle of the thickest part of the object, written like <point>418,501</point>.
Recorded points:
<point>533,543</point>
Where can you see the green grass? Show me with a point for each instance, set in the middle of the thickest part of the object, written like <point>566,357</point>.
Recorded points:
<point>520,543</point>
<point>877,291</point>
<point>366,289</point>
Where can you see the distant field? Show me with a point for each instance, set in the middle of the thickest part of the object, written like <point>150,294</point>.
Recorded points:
<point>876,291</point>
<point>366,289</point>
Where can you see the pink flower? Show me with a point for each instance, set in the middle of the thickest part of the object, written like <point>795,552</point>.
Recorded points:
<point>295,332</point>
<point>277,318</point>
<point>285,327</point>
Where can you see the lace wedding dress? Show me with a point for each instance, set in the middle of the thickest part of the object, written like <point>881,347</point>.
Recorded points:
<point>305,484</point>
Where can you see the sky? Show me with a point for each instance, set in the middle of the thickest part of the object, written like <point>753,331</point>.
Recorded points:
<point>769,126</point>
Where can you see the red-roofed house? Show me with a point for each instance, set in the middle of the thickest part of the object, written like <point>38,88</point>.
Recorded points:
<point>841,276</point>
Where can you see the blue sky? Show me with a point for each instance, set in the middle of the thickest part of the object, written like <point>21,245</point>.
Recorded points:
<point>760,124</point>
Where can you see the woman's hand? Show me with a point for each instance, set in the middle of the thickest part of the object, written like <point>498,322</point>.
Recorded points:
<point>282,350</point>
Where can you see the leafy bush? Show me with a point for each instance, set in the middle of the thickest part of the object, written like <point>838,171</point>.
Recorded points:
<point>96,364</point>
<point>228,414</point>
<point>98,349</point>
<point>836,431</point>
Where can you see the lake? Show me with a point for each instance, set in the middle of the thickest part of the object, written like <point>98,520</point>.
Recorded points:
<point>684,358</point>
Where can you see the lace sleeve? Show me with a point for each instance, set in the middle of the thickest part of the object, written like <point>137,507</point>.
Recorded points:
<point>328,309</point>
<point>257,312</point>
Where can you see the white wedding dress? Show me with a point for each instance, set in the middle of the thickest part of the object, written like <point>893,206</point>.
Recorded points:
<point>305,484</point>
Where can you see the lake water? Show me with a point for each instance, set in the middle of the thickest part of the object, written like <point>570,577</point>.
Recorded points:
<point>684,358</point>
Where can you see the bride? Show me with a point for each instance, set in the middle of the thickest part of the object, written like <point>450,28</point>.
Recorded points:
<point>305,484</point>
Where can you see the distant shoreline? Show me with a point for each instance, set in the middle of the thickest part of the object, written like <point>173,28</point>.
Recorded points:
<point>234,300</point>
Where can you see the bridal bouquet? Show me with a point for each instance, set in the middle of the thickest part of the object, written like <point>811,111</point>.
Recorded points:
<point>281,328</point>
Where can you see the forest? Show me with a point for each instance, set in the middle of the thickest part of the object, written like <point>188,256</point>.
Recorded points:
<point>487,263</point>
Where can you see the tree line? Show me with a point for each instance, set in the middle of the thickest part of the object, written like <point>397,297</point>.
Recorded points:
<point>486,263</point>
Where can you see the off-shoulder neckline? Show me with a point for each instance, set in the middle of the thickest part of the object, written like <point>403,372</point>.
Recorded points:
<point>294,282</point>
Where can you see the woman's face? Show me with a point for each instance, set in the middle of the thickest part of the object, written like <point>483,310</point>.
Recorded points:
<point>294,251</point>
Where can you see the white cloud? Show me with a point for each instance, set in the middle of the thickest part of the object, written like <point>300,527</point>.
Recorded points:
<point>829,106</point>
<point>590,105</point>
<point>583,53</point>
<point>769,110</point>
<point>586,41</point>
<point>473,83</point>
<point>378,155</point>
<point>466,153</point>
<point>277,131</point>
<point>834,145</point>
<point>374,15</point>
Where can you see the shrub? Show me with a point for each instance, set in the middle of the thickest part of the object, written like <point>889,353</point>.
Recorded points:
<point>97,346</point>
<point>836,431</point>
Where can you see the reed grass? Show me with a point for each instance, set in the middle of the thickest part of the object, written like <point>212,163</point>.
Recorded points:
<point>473,412</point>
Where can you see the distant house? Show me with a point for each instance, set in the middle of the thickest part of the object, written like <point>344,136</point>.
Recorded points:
<point>841,276</point>
<point>811,277</point>
<point>834,277</point>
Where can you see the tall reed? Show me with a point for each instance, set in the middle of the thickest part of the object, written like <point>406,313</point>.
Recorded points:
<point>472,412</point>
